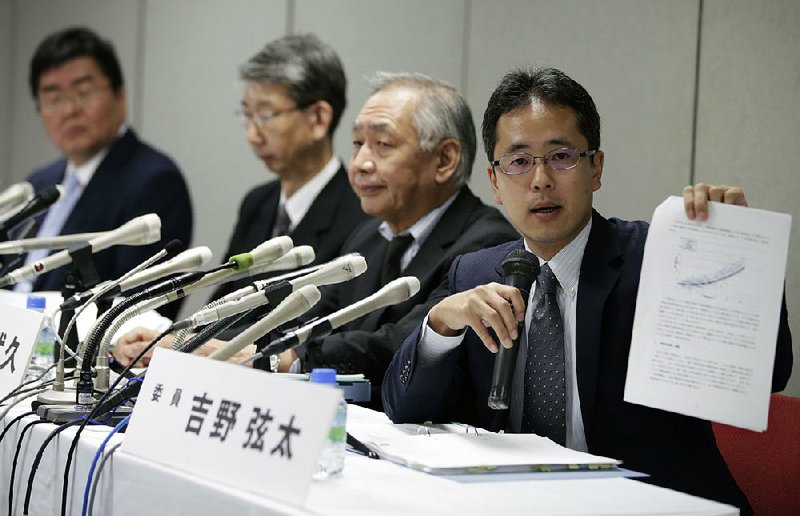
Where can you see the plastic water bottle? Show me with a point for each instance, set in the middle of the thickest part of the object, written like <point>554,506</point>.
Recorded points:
<point>331,461</point>
<point>43,355</point>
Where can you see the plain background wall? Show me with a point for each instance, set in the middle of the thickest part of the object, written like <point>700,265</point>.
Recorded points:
<point>668,118</point>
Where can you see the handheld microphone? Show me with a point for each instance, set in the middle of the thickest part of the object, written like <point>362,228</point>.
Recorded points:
<point>39,202</point>
<point>186,261</point>
<point>396,291</point>
<point>295,305</point>
<point>15,194</point>
<point>142,230</point>
<point>521,270</point>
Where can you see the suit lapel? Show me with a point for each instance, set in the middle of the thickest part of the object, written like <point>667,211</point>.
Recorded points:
<point>599,272</point>
<point>321,213</point>
<point>105,179</point>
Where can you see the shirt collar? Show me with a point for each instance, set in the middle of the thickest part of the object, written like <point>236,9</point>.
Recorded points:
<point>298,204</point>
<point>83,173</point>
<point>421,228</point>
<point>566,264</point>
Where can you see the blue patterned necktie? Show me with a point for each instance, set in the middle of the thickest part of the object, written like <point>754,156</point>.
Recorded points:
<point>544,411</point>
<point>56,216</point>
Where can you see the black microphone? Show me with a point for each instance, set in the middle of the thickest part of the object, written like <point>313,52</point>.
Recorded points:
<point>40,201</point>
<point>521,270</point>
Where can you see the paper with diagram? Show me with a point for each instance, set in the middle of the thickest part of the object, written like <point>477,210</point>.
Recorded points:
<point>707,313</point>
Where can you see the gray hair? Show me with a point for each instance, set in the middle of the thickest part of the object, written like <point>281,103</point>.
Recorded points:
<point>307,67</point>
<point>440,113</point>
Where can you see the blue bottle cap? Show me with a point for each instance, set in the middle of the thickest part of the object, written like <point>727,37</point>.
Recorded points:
<point>36,303</point>
<point>323,375</point>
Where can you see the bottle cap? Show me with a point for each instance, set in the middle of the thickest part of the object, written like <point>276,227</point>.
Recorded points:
<point>36,303</point>
<point>323,375</point>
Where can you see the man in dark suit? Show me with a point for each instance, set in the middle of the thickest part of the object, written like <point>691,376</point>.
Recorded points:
<point>414,145</point>
<point>108,174</point>
<point>295,93</point>
<point>541,133</point>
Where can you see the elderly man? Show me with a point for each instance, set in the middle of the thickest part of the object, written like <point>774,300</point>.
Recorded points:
<point>109,175</point>
<point>541,133</point>
<point>413,150</point>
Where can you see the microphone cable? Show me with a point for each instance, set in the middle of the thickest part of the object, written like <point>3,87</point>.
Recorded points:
<point>100,472</point>
<point>94,411</point>
<point>96,458</point>
<point>14,463</point>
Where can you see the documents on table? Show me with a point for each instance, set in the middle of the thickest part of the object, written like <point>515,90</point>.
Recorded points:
<point>707,313</point>
<point>455,449</point>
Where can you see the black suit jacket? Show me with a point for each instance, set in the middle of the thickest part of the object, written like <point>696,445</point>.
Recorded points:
<point>133,179</point>
<point>366,345</point>
<point>678,451</point>
<point>326,225</point>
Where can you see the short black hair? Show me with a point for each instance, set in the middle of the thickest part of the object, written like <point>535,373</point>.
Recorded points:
<point>549,85</point>
<point>309,68</point>
<point>72,43</point>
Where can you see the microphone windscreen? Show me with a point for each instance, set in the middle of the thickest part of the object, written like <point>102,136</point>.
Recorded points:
<point>173,247</point>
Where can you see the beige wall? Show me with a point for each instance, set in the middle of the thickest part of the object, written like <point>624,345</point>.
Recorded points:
<point>638,58</point>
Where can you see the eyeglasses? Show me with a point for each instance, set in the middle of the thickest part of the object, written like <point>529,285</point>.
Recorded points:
<point>262,119</point>
<point>518,163</point>
<point>56,102</point>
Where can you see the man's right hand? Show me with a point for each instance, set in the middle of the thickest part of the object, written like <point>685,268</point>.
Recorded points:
<point>495,306</point>
<point>132,343</point>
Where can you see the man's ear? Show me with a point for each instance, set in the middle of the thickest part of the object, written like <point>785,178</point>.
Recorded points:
<point>321,114</point>
<point>448,158</point>
<point>493,180</point>
<point>597,169</point>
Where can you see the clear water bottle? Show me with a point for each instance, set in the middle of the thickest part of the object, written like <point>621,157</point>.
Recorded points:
<point>43,355</point>
<point>331,461</point>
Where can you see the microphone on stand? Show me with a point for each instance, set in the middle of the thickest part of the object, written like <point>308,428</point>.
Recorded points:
<point>521,270</point>
<point>142,230</point>
<point>396,291</point>
<point>15,195</point>
<point>296,304</point>
<point>57,242</point>
<point>39,202</point>
<point>336,271</point>
<point>186,261</point>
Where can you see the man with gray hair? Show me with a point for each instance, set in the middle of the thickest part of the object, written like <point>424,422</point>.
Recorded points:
<point>295,93</point>
<point>413,149</point>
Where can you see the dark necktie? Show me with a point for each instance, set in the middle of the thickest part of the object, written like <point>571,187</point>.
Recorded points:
<point>394,253</point>
<point>544,412</point>
<point>281,225</point>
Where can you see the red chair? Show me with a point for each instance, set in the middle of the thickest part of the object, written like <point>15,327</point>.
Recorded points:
<point>766,465</point>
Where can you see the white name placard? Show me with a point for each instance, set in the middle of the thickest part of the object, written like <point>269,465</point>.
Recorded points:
<point>19,328</point>
<point>230,424</point>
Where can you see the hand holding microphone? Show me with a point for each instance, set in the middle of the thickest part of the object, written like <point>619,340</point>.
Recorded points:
<point>521,270</point>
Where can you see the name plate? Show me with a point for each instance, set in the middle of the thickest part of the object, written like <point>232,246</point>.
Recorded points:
<point>230,424</point>
<point>19,328</point>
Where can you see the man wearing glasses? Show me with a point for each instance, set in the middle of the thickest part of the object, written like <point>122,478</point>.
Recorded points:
<point>295,93</point>
<point>541,132</point>
<point>108,175</point>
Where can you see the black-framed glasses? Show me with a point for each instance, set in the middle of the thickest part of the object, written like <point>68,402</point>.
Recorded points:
<point>518,163</point>
<point>262,119</point>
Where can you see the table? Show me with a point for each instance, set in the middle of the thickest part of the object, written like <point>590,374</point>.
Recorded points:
<point>131,486</point>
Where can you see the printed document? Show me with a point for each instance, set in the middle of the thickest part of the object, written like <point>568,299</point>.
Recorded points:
<point>707,313</point>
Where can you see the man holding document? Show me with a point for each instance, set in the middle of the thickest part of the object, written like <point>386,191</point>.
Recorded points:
<point>541,132</point>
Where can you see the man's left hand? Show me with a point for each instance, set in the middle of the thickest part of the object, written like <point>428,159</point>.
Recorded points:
<point>695,198</point>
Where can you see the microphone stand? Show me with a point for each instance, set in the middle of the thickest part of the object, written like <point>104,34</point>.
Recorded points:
<point>82,276</point>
